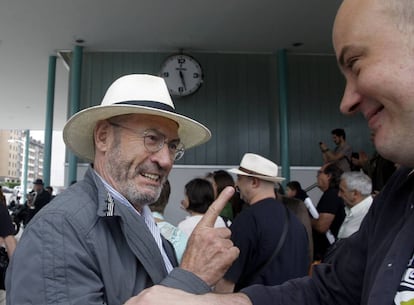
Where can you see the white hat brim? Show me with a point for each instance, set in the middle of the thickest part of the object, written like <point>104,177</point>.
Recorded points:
<point>267,178</point>
<point>78,131</point>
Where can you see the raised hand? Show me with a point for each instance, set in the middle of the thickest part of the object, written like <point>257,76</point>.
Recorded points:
<point>210,252</point>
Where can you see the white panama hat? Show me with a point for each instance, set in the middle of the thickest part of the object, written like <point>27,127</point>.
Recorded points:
<point>130,94</point>
<point>257,166</point>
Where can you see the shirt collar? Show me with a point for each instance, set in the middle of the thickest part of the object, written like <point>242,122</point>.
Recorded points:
<point>359,207</point>
<point>115,194</point>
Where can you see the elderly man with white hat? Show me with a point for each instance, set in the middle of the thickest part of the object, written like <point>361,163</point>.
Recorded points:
<point>97,242</point>
<point>273,243</point>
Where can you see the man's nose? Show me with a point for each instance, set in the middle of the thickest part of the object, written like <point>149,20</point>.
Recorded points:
<point>163,157</point>
<point>351,99</point>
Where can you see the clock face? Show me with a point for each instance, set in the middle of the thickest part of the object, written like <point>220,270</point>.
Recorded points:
<point>182,73</point>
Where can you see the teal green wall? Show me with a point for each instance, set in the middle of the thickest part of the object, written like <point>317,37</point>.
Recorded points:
<point>238,101</point>
<point>315,92</point>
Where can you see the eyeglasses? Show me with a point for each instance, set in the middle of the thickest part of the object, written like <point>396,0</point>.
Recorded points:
<point>155,141</point>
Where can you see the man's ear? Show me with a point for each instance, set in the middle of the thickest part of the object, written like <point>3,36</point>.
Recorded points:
<point>101,136</point>
<point>255,181</point>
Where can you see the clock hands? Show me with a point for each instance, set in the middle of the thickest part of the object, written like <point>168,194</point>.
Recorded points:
<point>182,80</point>
<point>182,73</point>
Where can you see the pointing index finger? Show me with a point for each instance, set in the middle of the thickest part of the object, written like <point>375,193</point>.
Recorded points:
<point>209,218</point>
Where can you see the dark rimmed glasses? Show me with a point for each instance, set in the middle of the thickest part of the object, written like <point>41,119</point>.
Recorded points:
<point>155,141</point>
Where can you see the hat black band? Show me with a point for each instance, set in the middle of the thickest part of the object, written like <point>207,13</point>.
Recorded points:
<point>151,104</point>
<point>248,171</point>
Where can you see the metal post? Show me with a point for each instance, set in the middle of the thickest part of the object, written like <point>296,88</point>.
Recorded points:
<point>74,105</point>
<point>283,114</point>
<point>49,120</point>
<point>26,163</point>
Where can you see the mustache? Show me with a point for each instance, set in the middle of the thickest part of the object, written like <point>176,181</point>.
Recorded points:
<point>152,168</point>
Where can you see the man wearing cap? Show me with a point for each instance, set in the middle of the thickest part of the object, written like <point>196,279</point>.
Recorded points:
<point>97,242</point>
<point>269,255</point>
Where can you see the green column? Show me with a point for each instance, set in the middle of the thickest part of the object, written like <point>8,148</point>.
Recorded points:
<point>26,163</point>
<point>47,159</point>
<point>74,104</point>
<point>283,114</point>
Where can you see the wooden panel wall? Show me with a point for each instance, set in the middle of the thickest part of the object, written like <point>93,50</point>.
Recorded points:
<point>238,101</point>
<point>315,91</point>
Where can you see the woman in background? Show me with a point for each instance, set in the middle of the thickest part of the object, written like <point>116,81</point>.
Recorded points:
<point>199,195</point>
<point>220,180</point>
<point>294,190</point>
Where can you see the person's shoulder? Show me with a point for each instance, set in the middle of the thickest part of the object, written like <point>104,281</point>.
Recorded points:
<point>77,204</point>
<point>329,201</point>
<point>270,205</point>
<point>75,194</point>
<point>187,225</point>
<point>400,175</point>
<point>399,184</point>
<point>265,203</point>
<point>257,211</point>
<point>332,192</point>
<point>170,231</point>
<point>186,221</point>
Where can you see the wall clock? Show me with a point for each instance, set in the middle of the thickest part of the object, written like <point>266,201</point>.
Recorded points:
<point>182,73</point>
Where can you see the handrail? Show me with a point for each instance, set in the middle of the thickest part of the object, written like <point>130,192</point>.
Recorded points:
<point>311,187</point>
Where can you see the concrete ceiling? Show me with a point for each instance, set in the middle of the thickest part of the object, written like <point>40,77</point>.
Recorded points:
<point>31,31</point>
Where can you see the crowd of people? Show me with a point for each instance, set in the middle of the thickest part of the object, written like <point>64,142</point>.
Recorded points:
<point>280,233</point>
<point>373,45</point>
<point>98,242</point>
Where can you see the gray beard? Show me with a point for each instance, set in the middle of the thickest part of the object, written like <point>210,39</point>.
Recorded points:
<point>118,169</point>
<point>139,200</point>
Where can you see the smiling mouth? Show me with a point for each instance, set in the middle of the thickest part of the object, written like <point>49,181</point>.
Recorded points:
<point>370,117</point>
<point>152,177</point>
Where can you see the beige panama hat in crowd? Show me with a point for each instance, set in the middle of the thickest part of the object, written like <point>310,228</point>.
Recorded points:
<point>130,94</point>
<point>257,166</point>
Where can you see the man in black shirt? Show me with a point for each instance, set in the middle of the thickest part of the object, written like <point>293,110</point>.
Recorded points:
<point>263,229</point>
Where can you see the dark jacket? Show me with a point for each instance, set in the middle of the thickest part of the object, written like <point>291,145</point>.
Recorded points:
<point>369,265</point>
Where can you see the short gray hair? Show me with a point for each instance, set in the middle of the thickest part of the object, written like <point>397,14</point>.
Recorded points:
<point>358,181</point>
